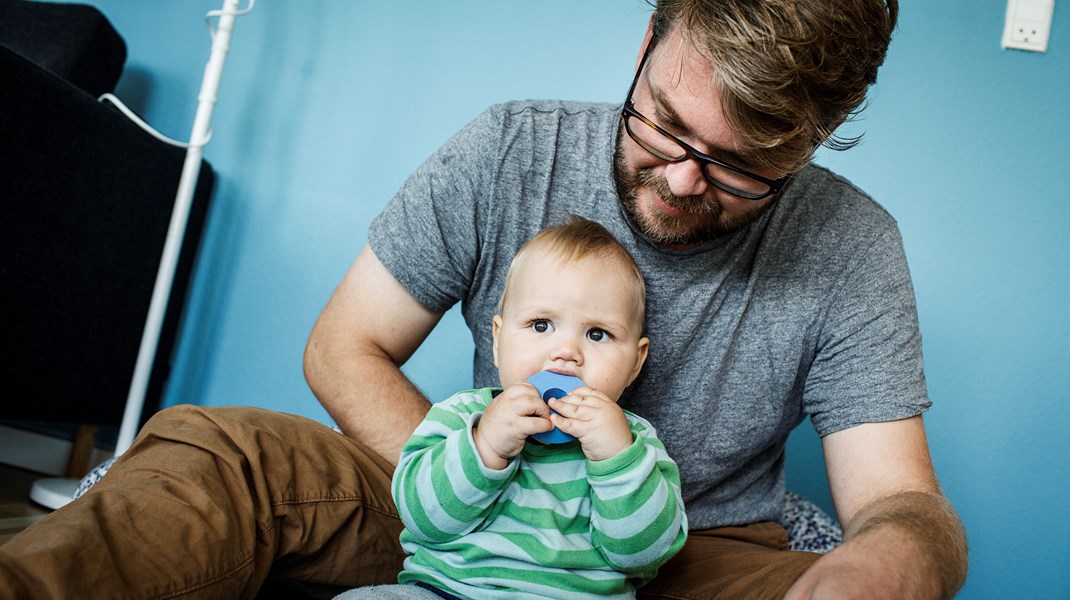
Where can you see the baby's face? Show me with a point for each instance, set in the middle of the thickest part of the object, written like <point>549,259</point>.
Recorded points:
<point>579,319</point>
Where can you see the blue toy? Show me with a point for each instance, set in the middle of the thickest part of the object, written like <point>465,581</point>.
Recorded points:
<point>554,385</point>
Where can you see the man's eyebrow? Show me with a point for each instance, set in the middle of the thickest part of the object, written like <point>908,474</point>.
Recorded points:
<point>665,111</point>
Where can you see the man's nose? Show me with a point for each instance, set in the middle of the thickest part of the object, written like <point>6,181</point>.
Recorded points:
<point>685,178</point>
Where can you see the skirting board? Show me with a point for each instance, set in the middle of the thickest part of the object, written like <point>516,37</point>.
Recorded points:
<point>40,453</point>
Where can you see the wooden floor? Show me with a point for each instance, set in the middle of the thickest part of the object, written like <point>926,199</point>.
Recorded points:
<point>17,511</point>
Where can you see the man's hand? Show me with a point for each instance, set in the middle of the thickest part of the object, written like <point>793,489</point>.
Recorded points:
<point>908,546</point>
<point>514,414</point>
<point>595,420</point>
<point>902,539</point>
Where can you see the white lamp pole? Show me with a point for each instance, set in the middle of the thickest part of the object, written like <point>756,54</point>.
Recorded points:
<point>206,99</point>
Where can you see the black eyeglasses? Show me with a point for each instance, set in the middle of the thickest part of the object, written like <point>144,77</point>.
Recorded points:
<point>670,148</point>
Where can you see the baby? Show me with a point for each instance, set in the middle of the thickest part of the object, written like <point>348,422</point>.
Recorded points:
<point>491,512</point>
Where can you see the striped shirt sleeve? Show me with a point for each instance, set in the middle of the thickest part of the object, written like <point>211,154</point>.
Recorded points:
<point>638,519</point>
<point>441,487</point>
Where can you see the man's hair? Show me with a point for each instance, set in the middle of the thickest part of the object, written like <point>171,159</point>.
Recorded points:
<point>790,71</point>
<point>577,239</point>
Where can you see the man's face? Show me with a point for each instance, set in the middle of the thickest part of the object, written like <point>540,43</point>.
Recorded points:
<point>580,319</point>
<point>673,204</point>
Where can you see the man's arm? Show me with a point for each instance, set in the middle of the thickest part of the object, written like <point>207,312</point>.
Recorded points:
<point>370,327</point>
<point>902,539</point>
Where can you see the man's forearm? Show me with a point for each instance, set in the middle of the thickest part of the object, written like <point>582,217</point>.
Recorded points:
<point>369,398</point>
<point>920,530</point>
<point>369,328</point>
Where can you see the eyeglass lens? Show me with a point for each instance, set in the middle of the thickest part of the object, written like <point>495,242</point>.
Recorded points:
<point>670,150</point>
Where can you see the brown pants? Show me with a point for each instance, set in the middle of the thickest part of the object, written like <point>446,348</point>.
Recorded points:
<point>210,503</point>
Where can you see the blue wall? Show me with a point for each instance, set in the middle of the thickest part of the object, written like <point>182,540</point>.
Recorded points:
<point>327,106</point>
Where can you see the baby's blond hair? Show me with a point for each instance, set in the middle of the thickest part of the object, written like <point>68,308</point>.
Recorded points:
<point>577,239</point>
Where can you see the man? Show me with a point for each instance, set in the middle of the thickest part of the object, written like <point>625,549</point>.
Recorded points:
<point>729,102</point>
<point>776,291</point>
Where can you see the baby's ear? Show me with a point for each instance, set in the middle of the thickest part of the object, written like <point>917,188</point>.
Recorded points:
<point>640,358</point>
<point>495,327</point>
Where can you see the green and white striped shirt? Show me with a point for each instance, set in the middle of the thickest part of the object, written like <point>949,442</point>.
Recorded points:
<point>550,525</point>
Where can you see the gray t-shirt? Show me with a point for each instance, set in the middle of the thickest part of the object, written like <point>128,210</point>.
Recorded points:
<point>807,312</point>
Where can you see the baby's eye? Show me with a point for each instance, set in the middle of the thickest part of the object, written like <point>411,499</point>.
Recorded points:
<point>597,335</point>
<point>542,326</point>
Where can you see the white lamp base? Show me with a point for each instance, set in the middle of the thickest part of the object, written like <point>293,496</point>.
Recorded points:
<point>53,493</point>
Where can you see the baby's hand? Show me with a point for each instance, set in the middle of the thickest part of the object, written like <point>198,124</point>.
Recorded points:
<point>510,418</point>
<point>595,420</point>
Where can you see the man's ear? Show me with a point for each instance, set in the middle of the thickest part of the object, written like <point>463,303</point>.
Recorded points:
<point>495,327</point>
<point>640,358</point>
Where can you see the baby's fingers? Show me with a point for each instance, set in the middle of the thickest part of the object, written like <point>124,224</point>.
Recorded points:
<point>573,407</point>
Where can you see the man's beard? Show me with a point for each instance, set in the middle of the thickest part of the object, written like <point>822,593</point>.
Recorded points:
<point>707,219</point>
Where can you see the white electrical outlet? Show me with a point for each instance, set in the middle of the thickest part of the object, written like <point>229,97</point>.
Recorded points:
<point>1028,24</point>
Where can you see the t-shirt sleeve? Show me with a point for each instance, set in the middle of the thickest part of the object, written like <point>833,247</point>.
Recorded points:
<point>425,235</point>
<point>869,366</point>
